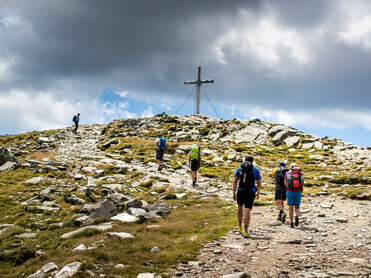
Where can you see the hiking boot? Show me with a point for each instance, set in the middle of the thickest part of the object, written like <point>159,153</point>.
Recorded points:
<point>245,234</point>
<point>193,183</point>
<point>279,216</point>
<point>240,229</point>
<point>195,180</point>
<point>296,221</point>
<point>292,225</point>
<point>283,218</point>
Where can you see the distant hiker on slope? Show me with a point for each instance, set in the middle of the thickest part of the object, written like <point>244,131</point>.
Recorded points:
<point>161,147</point>
<point>246,175</point>
<point>76,120</point>
<point>280,191</point>
<point>294,180</point>
<point>194,162</point>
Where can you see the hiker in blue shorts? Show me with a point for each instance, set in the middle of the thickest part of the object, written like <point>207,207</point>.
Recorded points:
<point>294,180</point>
<point>246,175</point>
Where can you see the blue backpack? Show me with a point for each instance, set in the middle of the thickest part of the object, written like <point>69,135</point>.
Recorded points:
<point>162,144</point>
<point>74,118</point>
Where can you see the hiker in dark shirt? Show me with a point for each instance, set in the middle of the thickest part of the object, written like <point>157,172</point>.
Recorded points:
<point>280,190</point>
<point>245,178</point>
<point>194,162</point>
<point>161,147</point>
<point>76,120</point>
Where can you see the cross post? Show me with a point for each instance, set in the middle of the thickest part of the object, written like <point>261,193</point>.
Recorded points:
<point>198,82</point>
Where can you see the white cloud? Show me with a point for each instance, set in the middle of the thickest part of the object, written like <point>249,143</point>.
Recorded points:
<point>321,118</point>
<point>272,45</point>
<point>122,94</point>
<point>357,33</point>
<point>147,113</point>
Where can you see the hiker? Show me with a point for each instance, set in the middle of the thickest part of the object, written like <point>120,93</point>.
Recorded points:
<point>280,190</point>
<point>246,175</point>
<point>161,147</point>
<point>76,120</point>
<point>194,162</point>
<point>294,180</point>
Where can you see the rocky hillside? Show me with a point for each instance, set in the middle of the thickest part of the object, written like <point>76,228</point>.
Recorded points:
<point>95,205</point>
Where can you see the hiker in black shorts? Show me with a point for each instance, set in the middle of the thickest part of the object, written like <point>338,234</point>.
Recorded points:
<point>194,162</point>
<point>280,190</point>
<point>161,147</point>
<point>76,120</point>
<point>246,175</point>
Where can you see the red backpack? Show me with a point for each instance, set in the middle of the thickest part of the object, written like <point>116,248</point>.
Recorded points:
<point>295,180</point>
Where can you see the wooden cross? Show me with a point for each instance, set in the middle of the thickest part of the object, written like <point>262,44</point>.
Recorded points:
<point>198,82</point>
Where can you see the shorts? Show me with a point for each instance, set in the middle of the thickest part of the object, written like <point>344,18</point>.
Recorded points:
<point>280,194</point>
<point>245,197</point>
<point>294,198</point>
<point>159,154</point>
<point>195,165</point>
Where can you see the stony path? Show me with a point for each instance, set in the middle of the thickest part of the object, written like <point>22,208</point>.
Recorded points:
<point>333,240</point>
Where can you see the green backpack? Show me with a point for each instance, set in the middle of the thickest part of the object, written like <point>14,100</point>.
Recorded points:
<point>195,153</point>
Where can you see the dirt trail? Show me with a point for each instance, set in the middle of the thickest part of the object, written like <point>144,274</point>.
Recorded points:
<point>332,240</point>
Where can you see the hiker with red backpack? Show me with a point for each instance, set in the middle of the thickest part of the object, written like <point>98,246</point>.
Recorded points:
<point>161,147</point>
<point>294,180</point>
<point>280,190</point>
<point>245,176</point>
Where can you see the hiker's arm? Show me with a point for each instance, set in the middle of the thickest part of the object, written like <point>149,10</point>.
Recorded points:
<point>271,175</point>
<point>234,188</point>
<point>259,187</point>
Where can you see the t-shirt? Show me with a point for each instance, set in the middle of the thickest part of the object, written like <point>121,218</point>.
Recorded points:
<point>256,177</point>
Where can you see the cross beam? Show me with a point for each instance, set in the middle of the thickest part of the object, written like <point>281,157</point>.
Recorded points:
<point>198,82</point>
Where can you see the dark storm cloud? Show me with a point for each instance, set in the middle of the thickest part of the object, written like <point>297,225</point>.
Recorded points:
<point>151,47</point>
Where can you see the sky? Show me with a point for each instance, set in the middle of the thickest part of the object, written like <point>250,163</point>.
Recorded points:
<point>305,64</point>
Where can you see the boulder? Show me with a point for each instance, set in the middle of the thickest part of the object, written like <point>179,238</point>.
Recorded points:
<point>125,217</point>
<point>8,165</point>
<point>49,269</point>
<point>160,209</point>
<point>34,180</point>
<point>102,227</point>
<point>105,208</point>
<point>282,135</point>
<point>118,198</point>
<point>291,141</point>
<point>69,270</point>
<point>135,203</point>
<point>6,155</point>
<point>120,235</point>
<point>73,199</point>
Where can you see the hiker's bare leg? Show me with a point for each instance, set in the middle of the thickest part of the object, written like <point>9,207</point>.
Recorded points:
<point>246,219</point>
<point>291,213</point>
<point>239,215</point>
<point>193,175</point>
<point>297,211</point>
<point>279,204</point>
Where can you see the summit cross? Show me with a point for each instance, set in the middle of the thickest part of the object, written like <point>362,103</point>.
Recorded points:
<point>198,82</point>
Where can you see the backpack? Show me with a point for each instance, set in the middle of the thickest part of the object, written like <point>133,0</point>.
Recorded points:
<point>295,180</point>
<point>195,153</point>
<point>74,118</point>
<point>280,176</point>
<point>162,143</point>
<point>247,176</point>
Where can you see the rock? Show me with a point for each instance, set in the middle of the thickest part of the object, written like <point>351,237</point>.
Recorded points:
<point>119,235</point>
<point>68,270</point>
<point>8,165</point>
<point>146,275</point>
<point>34,180</point>
<point>125,217</point>
<point>341,220</point>
<point>282,135</point>
<point>102,227</point>
<point>6,155</point>
<point>160,209</point>
<point>136,211</point>
<point>79,177</point>
<point>89,169</point>
<point>49,269</point>
<point>135,203</point>
<point>307,146</point>
<point>236,275</point>
<point>82,220</point>
<point>72,199</point>
<point>275,224</point>
<point>357,260</point>
<point>89,194</point>
<point>81,247</point>
<point>180,195</point>
<point>292,141</point>
<point>155,250</point>
<point>105,208</point>
<point>118,198</point>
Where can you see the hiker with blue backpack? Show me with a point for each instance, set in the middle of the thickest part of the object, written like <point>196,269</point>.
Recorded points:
<point>161,147</point>
<point>76,120</point>
<point>280,189</point>
<point>194,162</point>
<point>294,180</point>
<point>246,175</point>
